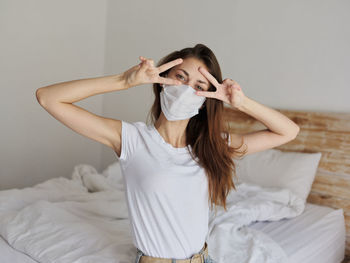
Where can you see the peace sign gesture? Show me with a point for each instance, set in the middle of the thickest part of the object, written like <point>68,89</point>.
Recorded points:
<point>146,72</point>
<point>229,91</point>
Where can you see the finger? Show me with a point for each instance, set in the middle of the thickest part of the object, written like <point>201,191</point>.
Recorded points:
<point>150,62</point>
<point>232,82</point>
<point>143,60</point>
<point>209,77</point>
<point>170,64</point>
<point>233,89</point>
<point>146,61</point>
<point>143,65</point>
<point>168,81</point>
<point>228,81</point>
<point>208,94</point>
<point>229,90</point>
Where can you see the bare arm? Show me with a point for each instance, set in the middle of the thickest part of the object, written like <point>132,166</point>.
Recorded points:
<point>58,99</point>
<point>280,130</point>
<point>76,90</point>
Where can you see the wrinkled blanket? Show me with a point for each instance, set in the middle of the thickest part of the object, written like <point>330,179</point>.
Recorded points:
<point>85,219</point>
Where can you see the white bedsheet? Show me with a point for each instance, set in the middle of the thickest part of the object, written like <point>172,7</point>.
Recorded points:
<point>296,237</point>
<point>10,255</point>
<point>316,236</point>
<point>61,221</point>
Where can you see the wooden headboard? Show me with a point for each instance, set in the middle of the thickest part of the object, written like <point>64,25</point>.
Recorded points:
<point>325,132</point>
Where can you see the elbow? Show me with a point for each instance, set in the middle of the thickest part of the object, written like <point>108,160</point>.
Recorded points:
<point>39,96</point>
<point>297,130</point>
<point>295,133</point>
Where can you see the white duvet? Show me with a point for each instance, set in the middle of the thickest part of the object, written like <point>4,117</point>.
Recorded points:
<point>85,219</point>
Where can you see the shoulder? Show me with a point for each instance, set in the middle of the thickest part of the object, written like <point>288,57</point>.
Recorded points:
<point>132,130</point>
<point>134,125</point>
<point>139,124</point>
<point>234,139</point>
<point>131,133</point>
<point>226,136</point>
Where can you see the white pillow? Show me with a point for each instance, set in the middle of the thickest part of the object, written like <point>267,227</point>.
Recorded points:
<point>114,176</point>
<point>275,168</point>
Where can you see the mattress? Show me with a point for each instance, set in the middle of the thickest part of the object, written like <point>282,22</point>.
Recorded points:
<point>317,235</point>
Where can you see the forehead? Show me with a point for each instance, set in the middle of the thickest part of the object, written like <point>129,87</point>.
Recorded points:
<point>191,65</point>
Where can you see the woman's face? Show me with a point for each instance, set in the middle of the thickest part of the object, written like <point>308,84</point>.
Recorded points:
<point>187,72</point>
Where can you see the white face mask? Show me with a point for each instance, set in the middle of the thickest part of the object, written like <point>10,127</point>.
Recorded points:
<point>180,102</point>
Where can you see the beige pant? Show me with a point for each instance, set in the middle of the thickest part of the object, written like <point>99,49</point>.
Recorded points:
<point>200,257</point>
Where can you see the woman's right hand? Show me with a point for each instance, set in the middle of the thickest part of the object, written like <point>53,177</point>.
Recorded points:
<point>146,72</point>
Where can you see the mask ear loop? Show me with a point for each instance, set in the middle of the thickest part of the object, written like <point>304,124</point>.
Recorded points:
<point>165,76</point>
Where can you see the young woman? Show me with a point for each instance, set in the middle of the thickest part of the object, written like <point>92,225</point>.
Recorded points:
<point>183,161</point>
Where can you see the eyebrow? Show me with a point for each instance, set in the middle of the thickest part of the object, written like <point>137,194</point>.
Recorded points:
<point>200,81</point>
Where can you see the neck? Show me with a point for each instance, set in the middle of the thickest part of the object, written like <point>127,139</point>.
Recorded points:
<point>173,132</point>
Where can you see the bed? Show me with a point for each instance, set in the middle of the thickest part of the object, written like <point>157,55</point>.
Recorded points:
<point>325,132</point>
<point>84,218</point>
<point>297,236</point>
<point>316,222</point>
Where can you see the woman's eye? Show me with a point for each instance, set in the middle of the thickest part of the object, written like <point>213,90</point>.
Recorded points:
<point>181,77</point>
<point>178,75</point>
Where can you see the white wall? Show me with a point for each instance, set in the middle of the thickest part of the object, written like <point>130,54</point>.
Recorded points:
<point>285,54</point>
<point>44,42</point>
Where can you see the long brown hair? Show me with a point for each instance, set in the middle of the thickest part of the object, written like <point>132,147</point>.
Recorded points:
<point>204,130</point>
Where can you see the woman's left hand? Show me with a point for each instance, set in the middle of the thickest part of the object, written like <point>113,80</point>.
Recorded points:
<point>228,91</point>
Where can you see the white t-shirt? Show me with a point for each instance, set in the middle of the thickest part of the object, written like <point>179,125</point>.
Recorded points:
<point>166,193</point>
